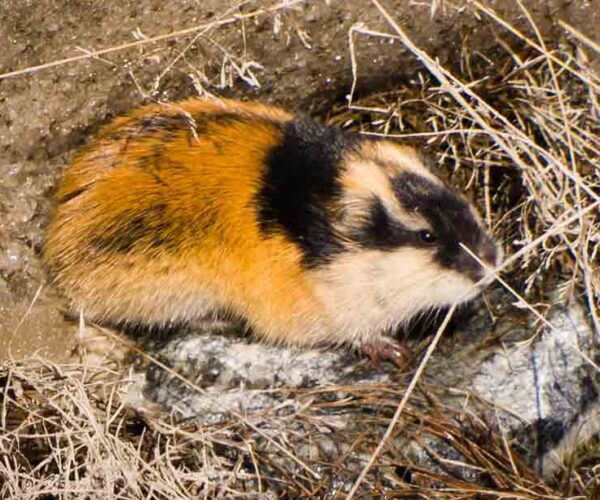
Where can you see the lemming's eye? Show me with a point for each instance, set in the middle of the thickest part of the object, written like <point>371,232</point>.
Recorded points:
<point>427,237</point>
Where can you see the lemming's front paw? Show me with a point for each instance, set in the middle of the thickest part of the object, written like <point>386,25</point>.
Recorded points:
<point>387,350</point>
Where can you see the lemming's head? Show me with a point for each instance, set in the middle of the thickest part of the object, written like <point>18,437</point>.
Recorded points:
<point>402,233</point>
<point>378,231</point>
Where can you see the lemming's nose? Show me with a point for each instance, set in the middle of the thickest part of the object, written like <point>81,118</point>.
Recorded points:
<point>488,252</point>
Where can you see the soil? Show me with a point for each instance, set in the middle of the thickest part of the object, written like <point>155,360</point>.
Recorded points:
<point>296,56</point>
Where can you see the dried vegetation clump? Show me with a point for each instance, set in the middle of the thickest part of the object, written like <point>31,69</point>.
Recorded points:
<point>68,433</point>
<point>520,131</point>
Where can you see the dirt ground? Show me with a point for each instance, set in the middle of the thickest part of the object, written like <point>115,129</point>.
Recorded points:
<point>292,53</point>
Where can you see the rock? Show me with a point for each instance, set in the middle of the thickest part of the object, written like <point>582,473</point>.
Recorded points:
<point>234,374</point>
<point>540,391</point>
<point>545,390</point>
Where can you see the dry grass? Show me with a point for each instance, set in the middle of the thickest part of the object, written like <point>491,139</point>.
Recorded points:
<point>67,433</point>
<point>521,134</point>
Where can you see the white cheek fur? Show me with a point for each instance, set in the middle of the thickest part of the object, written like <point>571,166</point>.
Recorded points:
<point>368,292</point>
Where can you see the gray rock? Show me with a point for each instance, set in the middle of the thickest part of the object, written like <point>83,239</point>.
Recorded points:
<point>233,374</point>
<point>542,391</point>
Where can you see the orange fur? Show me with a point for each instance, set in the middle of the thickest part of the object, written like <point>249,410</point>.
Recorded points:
<point>230,266</point>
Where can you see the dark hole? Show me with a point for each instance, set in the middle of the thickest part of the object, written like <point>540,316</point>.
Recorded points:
<point>404,473</point>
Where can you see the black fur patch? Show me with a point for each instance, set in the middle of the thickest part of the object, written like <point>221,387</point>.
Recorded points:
<point>164,122</point>
<point>301,179</point>
<point>153,230</point>
<point>149,125</point>
<point>451,220</point>
<point>168,125</point>
<point>382,232</point>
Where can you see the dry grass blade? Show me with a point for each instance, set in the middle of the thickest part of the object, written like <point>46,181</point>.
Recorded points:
<point>580,36</point>
<point>403,401</point>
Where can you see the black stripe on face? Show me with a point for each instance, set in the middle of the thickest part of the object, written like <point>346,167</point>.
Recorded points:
<point>452,222</point>
<point>381,231</point>
<point>300,181</point>
<point>415,192</point>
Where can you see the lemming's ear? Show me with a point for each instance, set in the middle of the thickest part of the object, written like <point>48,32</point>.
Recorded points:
<point>353,211</point>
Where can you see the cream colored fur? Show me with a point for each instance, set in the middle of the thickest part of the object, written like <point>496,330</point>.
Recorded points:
<point>368,292</point>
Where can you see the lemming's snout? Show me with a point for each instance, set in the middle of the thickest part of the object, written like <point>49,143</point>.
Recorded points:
<point>475,261</point>
<point>489,253</point>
